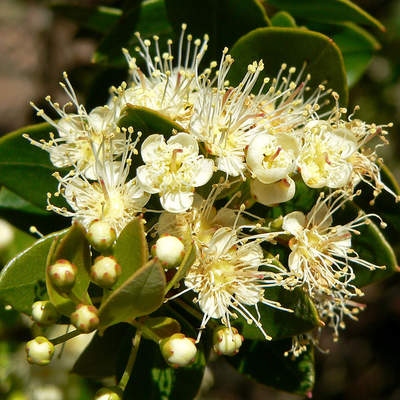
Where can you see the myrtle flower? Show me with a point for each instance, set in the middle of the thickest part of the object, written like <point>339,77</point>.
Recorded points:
<point>112,198</point>
<point>173,169</point>
<point>169,86</point>
<point>80,134</point>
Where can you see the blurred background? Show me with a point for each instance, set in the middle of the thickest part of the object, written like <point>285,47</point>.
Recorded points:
<point>36,46</point>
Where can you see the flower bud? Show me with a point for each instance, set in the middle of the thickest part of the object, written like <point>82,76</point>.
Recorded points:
<point>44,312</point>
<point>108,394</point>
<point>105,271</point>
<point>101,235</point>
<point>39,351</point>
<point>62,275</point>
<point>227,341</point>
<point>169,250</point>
<point>85,318</point>
<point>178,350</point>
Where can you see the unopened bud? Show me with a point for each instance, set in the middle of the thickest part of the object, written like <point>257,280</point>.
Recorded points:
<point>227,341</point>
<point>169,250</point>
<point>39,351</point>
<point>105,271</point>
<point>108,394</point>
<point>62,274</point>
<point>178,350</point>
<point>101,235</point>
<point>44,312</point>
<point>85,318</point>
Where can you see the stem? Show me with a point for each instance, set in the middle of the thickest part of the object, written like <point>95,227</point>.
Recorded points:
<point>189,309</point>
<point>65,337</point>
<point>131,361</point>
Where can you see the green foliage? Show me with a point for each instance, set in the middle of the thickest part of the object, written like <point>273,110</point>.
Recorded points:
<point>283,19</point>
<point>265,362</point>
<point>130,250</point>
<point>322,57</point>
<point>20,242</point>
<point>22,281</point>
<point>158,328</point>
<point>332,11</point>
<point>139,295</point>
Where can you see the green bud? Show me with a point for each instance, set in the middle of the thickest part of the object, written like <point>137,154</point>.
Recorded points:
<point>101,235</point>
<point>108,394</point>
<point>85,318</point>
<point>62,275</point>
<point>169,250</point>
<point>44,313</point>
<point>227,341</point>
<point>178,350</point>
<point>105,271</point>
<point>39,351</point>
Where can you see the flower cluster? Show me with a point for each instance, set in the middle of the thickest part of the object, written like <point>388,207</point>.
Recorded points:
<point>269,133</point>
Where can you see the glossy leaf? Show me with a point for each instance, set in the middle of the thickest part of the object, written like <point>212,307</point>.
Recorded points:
<point>153,379</point>
<point>158,328</point>
<point>20,242</point>
<point>181,272</point>
<point>25,169</point>
<point>140,295</point>
<point>283,19</point>
<point>99,359</point>
<point>332,11</point>
<point>11,201</point>
<point>212,17</point>
<point>282,324</point>
<point>22,281</point>
<point>265,362</point>
<point>147,121</point>
<point>322,57</point>
<point>130,250</point>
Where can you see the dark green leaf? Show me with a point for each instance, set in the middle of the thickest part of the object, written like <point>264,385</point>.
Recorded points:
<point>20,242</point>
<point>131,250</point>
<point>158,328</point>
<point>281,324</point>
<point>25,169</point>
<point>100,357</point>
<point>22,281</point>
<point>11,201</point>
<point>212,17</point>
<point>186,263</point>
<point>140,295</point>
<point>322,57</point>
<point>265,362</point>
<point>283,19</point>
<point>110,48</point>
<point>332,11</point>
<point>153,379</point>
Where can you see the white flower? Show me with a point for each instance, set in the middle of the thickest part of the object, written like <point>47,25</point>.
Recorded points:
<point>173,170</point>
<point>81,134</point>
<point>273,193</point>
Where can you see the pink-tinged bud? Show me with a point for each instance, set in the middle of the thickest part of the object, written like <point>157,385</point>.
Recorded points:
<point>101,236</point>
<point>44,312</point>
<point>39,351</point>
<point>62,275</point>
<point>85,318</point>
<point>169,250</point>
<point>105,271</point>
<point>109,394</point>
<point>178,350</point>
<point>227,341</point>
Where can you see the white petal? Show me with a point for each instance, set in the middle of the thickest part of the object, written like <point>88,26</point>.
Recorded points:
<point>319,215</point>
<point>273,193</point>
<point>185,141</point>
<point>294,222</point>
<point>340,176</point>
<point>153,148</point>
<point>136,193</point>
<point>203,171</point>
<point>176,202</point>
<point>232,165</point>
<point>99,118</point>
<point>145,178</point>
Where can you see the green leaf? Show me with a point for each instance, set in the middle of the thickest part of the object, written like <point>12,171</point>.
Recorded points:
<point>20,242</point>
<point>97,18</point>
<point>332,11</point>
<point>22,281</point>
<point>181,272</point>
<point>265,362</point>
<point>140,295</point>
<point>158,328</point>
<point>153,379</point>
<point>147,121</point>
<point>131,250</point>
<point>283,19</point>
<point>100,357</point>
<point>119,34</point>
<point>282,324</point>
<point>322,57</point>
<point>25,169</point>
<point>11,201</point>
<point>212,17</point>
